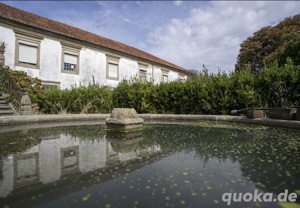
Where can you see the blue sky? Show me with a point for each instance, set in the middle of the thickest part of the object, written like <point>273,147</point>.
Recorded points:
<point>186,33</point>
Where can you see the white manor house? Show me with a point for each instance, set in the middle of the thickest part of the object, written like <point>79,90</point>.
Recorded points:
<point>64,56</point>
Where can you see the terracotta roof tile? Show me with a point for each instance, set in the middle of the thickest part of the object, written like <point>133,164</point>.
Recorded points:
<point>27,18</point>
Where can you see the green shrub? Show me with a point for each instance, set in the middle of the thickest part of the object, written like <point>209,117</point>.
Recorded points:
<point>34,85</point>
<point>275,86</point>
<point>279,86</point>
<point>214,93</point>
<point>83,99</point>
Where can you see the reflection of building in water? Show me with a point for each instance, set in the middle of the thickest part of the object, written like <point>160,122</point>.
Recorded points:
<point>55,158</point>
<point>26,169</point>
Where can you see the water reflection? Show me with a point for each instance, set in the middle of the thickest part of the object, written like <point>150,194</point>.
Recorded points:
<point>59,155</point>
<point>162,165</point>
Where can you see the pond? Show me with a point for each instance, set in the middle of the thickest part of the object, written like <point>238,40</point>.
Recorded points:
<point>163,165</point>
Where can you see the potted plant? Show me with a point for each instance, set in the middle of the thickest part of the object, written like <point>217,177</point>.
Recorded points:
<point>2,46</point>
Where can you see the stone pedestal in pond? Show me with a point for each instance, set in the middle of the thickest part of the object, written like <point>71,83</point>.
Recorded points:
<point>124,119</point>
<point>255,114</point>
<point>283,113</point>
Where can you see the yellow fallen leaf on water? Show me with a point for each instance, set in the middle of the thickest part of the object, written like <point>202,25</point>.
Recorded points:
<point>289,205</point>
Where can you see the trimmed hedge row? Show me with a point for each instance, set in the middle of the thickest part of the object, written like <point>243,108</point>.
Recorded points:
<point>89,99</point>
<point>205,94</point>
<point>214,93</point>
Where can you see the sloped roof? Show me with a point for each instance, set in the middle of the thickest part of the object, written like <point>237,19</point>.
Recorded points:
<point>46,24</point>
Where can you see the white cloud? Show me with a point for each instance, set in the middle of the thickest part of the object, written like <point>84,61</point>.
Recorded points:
<point>125,19</point>
<point>211,35</point>
<point>177,3</point>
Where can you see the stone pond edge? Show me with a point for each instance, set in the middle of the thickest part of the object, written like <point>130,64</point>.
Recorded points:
<point>148,118</point>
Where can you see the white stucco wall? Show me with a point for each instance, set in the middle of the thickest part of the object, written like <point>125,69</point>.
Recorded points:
<point>8,36</point>
<point>50,61</point>
<point>92,63</point>
<point>157,75</point>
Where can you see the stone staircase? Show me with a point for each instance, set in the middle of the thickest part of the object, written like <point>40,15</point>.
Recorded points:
<point>5,108</point>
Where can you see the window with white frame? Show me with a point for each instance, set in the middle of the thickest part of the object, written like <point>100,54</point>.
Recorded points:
<point>143,72</point>
<point>28,53</point>
<point>165,76</point>
<point>27,50</point>
<point>70,62</point>
<point>143,75</point>
<point>181,77</point>
<point>112,71</point>
<point>70,59</point>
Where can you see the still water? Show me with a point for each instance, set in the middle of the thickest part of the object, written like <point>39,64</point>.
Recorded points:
<point>167,165</point>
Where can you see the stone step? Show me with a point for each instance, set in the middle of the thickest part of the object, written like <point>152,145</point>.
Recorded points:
<point>5,108</point>
<point>6,112</point>
<point>2,106</point>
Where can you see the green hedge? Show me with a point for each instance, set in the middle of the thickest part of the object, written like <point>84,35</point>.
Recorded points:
<point>206,94</point>
<point>82,99</point>
<point>214,93</point>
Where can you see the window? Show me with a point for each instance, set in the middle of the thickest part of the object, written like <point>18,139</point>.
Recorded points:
<point>28,53</point>
<point>26,169</point>
<point>143,72</point>
<point>181,77</point>
<point>112,71</point>
<point>50,85</point>
<point>165,78</point>
<point>70,59</point>
<point>165,75</point>
<point>69,160</point>
<point>70,62</point>
<point>27,50</point>
<point>143,75</point>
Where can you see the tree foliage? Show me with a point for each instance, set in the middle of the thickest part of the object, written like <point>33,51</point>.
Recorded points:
<point>269,44</point>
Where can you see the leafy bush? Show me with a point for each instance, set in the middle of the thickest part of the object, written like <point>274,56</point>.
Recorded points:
<point>82,99</point>
<point>33,85</point>
<point>207,94</point>
<point>279,86</point>
<point>214,93</point>
<point>275,86</point>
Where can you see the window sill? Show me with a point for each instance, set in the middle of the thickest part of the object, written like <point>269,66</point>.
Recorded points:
<point>28,66</point>
<point>70,72</point>
<point>112,78</point>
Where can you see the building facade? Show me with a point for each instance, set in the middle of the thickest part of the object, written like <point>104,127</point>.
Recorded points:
<point>64,56</point>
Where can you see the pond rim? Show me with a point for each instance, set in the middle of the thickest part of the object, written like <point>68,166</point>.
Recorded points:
<point>29,121</point>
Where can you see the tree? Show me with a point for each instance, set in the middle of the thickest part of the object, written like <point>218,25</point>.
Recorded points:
<point>270,43</point>
<point>291,50</point>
